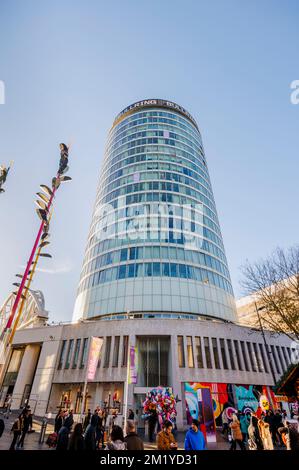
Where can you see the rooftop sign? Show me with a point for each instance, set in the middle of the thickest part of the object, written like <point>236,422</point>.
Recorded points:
<point>154,103</point>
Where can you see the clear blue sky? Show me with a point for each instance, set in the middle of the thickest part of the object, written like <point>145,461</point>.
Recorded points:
<point>70,66</point>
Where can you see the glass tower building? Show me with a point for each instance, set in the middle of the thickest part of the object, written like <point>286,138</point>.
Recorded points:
<point>155,247</point>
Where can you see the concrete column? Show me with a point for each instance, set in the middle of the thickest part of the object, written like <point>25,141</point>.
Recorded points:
<point>42,383</point>
<point>175,382</point>
<point>26,373</point>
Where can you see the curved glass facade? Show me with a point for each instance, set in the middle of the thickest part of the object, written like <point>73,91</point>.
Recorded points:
<point>155,243</point>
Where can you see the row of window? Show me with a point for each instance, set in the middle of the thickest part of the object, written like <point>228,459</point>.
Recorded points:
<point>94,247</point>
<point>156,165</point>
<point>143,223</point>
<point>74,353</point>
<point>148,228</point>
<point>153,117</point>
<point>155,252</point>
<point>154,127</point>
<point>201,352</point>
<point>157,186</point>
<point>152,175</point>
<point>220,353</point>
<point>151,156</point>
<point>155,136</point>
<point>170,154</point>
<point>134,270</point>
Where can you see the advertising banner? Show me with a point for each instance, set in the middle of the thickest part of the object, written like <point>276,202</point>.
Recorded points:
<point>94,354</point>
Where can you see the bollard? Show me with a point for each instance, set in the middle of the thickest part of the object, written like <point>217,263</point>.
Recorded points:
<point>43,430</point>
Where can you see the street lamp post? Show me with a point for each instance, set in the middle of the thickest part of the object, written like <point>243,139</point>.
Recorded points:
<point>269,353</point>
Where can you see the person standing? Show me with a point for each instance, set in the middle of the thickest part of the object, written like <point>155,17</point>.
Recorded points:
<point>132,439</point>
<point>152,422</point>
<point>225,422</point>
<point>165,438</point>
<point>254,439</point>
<point>117,441</point>
<point>25,427</point>
<point>8,406</point>
<point>16,430</point>
<point>194,439</point>
<point>58,421</point>
<point>90,433</point>
<point>77,440</point>
<point>237,437</point>
<point>264,429</point>
<point>244,423</point>
<point>131,414</point>
<point>87,420</point>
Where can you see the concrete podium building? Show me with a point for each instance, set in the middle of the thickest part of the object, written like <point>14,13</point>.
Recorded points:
<point>154,276</point>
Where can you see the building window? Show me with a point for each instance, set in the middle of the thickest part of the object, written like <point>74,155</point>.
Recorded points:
<point>237,350</point>
<point>263,358</point>
<point>289,354</point>
<point>198,352</point>
<point>69,354</point>
<point>153,360</point>
<point>280,357</point>
<point>250,354</point>
<point>62,353</point>
<point>258,358</point>
<point>231,355</point>
<point>190,357</point>
<point>244,356</point>
<point>275,359</point>
<point>107,351</point>
<point>115,351</point>
<point>285,355</point>
<point>125,351</point>
<point>216,355</point>
<point>76,353</point>
<point>181,354</point>
<point>84,353</point>
<point>223,353</point>
<point>207,352</point>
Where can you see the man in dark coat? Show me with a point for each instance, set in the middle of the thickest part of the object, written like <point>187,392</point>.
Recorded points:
<point>25,427</point>
<point>132,439</point>
<point>90,433</point>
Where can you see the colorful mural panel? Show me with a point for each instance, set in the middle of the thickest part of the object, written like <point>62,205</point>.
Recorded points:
<point>228,397</point>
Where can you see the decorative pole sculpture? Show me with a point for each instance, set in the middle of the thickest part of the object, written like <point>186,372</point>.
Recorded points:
<point>3,175</point>
<point>44,211</point>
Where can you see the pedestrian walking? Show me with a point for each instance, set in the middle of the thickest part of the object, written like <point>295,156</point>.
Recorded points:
<point>58,421</point>
<point>132,439</point>
<point>7,406</point>
<point>225,422</point>
<point>131,414</point>
<point>90,433</point>
<point>117,441</point>
<point>165,438</point>
<point>289,436</point>
<point>24,428</point>
<point>86,420</point>
<point>244,423</point>
<point>2,426</point>
<point>152,422</point>
<point>63,438</point>
<point>194,439</point>
<point>237,437</point>
<point>264,429</point>
<point>254,439</point>
<point>77,442</point>
<point>16,430</point>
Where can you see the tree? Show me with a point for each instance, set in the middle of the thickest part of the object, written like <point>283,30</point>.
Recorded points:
<point>274,285</point>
